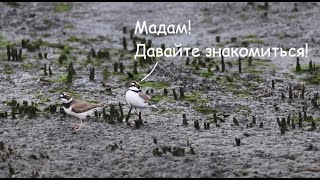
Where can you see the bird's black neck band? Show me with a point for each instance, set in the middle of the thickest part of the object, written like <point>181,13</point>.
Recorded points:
<point>66,105</point>
<point>136,90</point>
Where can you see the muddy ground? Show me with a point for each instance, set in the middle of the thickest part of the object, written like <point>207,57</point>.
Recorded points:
<point>44,145</point>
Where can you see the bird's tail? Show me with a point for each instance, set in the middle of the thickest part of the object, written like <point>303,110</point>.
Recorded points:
<point>154,106</point>
<point>105,105</point>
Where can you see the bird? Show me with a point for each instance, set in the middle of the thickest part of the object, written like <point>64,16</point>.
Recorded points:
<point>79,109</point>
<point>138,99</point>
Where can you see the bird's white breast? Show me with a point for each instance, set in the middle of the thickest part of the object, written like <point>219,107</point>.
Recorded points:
<point>82,115</point>
<point>135,100</point>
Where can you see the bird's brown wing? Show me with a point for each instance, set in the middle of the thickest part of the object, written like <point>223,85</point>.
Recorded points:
<point>81,106</point>
<point>145,97</point>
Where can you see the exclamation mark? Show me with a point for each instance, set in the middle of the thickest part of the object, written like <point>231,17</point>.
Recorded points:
<point>306,49</point>
<point>189,26</point>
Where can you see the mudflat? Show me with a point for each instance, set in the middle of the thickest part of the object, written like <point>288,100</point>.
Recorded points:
<point>230,127</point>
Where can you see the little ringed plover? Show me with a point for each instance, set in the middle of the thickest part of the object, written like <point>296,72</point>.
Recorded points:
<point>138,99</point>
<point>78,108</point>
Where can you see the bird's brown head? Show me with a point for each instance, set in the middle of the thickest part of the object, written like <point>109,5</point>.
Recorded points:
<point>65,97</point>
<point>135,84</point>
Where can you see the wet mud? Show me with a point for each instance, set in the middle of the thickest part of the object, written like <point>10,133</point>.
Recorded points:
<point>262,122</point>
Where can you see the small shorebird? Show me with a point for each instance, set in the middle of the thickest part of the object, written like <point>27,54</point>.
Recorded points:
<point>79,109</point>
<point>138,99</point>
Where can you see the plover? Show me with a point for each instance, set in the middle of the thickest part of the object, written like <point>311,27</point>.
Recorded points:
<point>138,99</point>
<point>78,108</point>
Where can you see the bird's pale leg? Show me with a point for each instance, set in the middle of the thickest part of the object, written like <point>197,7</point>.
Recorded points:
<point>135,109</point>
<point>138,114</point>
<point>78,126</point>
